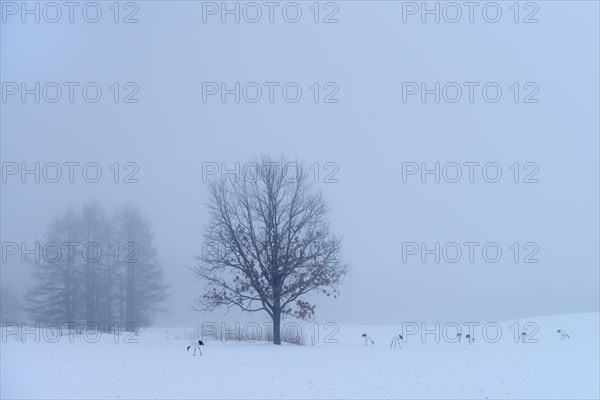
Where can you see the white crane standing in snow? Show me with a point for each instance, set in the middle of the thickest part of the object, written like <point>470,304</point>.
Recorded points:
<point>196,345</point>
<point>563,335</point>
<point>367,338</point>
<point>396,340</point>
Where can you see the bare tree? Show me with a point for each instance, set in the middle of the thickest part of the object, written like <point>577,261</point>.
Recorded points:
<point>268,243</point>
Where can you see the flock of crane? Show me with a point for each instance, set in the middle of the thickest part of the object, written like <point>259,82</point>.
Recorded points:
<point>395,343</point>
<point>397,340</point>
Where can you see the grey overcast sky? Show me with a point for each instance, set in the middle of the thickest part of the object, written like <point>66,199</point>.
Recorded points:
<point>372,61</point>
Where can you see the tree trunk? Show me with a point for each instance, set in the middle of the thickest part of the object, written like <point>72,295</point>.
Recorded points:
<point>130,317</point>
<point>68,296</point>
<point>88,294</point>
<point>277,326</point>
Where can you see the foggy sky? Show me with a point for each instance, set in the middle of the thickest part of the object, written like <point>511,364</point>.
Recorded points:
<point>368,134</point>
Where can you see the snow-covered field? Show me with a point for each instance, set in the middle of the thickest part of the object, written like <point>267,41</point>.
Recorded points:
<point>157,366</point>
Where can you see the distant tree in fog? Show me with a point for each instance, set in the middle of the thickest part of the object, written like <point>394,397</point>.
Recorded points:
<point>94,228</point>
<point>268,243</point>
<point>57,274</point>
<point>97,270</point>
<point>10,306</point>
<point>144,290</point>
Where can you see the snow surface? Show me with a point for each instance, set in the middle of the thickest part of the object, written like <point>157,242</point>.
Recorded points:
<point>159,367</point>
